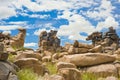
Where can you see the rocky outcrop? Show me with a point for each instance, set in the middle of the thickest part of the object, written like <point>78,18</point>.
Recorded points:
<point>88,59</point>
<point>77,48</point>
<point>49,41</point>
<point>18,40</point>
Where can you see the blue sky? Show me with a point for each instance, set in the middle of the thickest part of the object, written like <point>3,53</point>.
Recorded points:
<point>74,19</point>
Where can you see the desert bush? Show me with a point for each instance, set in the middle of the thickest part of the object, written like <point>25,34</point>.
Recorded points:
<point>89,76</point>
<point>27,74</point>
<point>51,67</point>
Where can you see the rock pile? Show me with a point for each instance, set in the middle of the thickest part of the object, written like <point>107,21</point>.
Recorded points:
<point>49,41</point>
<point>7,69</point>
<point>78,48</point>
<point>100,64</point>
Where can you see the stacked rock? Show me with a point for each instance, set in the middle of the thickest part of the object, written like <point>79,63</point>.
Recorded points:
<point>18,40</point>
<point>78,48</point>
<point>49,41</point>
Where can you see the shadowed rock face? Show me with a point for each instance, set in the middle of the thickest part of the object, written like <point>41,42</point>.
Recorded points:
<point>49,41</point>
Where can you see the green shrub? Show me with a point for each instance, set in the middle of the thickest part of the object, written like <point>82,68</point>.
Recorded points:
<point>27,74</point>
<point>51,67</point>
<point>11,58</point>
<point>89,76</point>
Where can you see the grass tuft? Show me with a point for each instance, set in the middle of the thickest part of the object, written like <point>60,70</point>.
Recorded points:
<point>27,74</point>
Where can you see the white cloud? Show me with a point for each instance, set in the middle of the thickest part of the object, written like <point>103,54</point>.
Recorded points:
<point>6,32</point>
<point>79,24</point>
<point>18,22</point>
<point>37,32</point>
<point>32,44</point>
<point>101,12</point>
<point>110,21</point>
<point>6,9</point>
<point>9,27</point>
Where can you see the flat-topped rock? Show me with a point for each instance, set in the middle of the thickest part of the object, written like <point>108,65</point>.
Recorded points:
<point>88,59</point>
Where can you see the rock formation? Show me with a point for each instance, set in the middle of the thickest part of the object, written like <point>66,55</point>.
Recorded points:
<point>18,40</point>
<point>49,41</point>
<point>7,69</point>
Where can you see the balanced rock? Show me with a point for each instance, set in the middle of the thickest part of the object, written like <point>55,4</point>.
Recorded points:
<point>18,40</point>
<point>88,59</point>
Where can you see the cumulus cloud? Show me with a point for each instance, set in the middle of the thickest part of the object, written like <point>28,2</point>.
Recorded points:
<point>6,9</point>
<point>110,21</point>
<point>6,32</point>
<point>79,24</point>
<point>32,44</point>
<point>37,32</point>
<point>102,11</point>
<point>9,27</point>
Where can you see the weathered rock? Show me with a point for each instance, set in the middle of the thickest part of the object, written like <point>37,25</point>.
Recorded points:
<point>1,47</point>
<point>46,59</point>
<point>47,53</point>
<point>55,77</point>
<point>31,63</point>
<point>81,45</point>
<point>103,70</point>
<point>29,55</point>
<point>88,59</point>
<point>67,46</point>
<point>70,73</point>
<point>76,44</point>
<point>96,49</point>
<point>62,54</point>
<point>111,78</point>
<point>49,41</point>
<point>71,50</point>
<point>5,69</point>
<point>60,65</point>
<point>117,65</point>
<point>18,40</point>
<point>117,51</point>
<point>3,56</point>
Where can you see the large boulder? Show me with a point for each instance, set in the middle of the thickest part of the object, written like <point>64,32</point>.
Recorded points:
<point>88,59</point>
<point>60,65</point>
<point>70,73</point>
<point>33,63</point>
<point>29,55</point>
<point>7,70</point>
<point>46,59</point>
<point>103,70</point>
<point>73,50</point>
<point>81,45</point>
